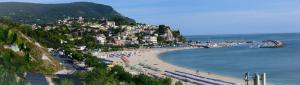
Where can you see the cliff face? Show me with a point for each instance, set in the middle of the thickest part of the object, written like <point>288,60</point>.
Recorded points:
<point>169,35</point>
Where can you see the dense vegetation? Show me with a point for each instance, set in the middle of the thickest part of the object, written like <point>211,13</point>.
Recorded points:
<point>101,75</point>
<point>14,63</point>
<point>33,13</point>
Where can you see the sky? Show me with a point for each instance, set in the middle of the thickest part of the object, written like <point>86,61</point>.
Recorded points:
<point>207,17</point>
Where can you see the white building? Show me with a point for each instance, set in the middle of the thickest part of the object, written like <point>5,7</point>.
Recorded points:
<point>107,23</point>
<point>81,48</point>
<point>151,39</point>
<point>80,20</point>
<point>101,39</point>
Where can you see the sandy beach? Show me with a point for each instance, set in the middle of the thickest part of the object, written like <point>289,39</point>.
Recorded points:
<point>151,57</point>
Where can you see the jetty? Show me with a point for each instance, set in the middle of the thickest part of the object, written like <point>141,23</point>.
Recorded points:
<point>271,44</point>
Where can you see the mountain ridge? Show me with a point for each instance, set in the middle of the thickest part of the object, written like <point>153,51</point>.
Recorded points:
<point>31,13</point>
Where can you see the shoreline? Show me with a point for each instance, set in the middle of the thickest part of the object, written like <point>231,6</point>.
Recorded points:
<point>152,56</point>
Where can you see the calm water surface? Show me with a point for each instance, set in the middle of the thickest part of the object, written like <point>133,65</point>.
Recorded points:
<point>282,65</point>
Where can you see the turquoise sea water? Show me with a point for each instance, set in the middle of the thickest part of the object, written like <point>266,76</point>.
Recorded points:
<point>282,65</point>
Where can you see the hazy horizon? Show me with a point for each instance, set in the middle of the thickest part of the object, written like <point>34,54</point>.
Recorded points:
<point>207,17</point>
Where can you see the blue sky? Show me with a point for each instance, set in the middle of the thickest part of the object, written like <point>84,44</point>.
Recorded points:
<point>202,17</point>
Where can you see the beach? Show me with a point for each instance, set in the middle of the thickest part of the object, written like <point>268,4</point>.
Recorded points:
<point>150,57</point>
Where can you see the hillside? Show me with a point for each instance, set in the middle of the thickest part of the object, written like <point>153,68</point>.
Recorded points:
<point>31,13</point>
<point>73,41</point>
<point>20,52</point>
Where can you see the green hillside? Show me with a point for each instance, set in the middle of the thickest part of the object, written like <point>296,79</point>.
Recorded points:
<point>32,13</point>
<point>20,54</point>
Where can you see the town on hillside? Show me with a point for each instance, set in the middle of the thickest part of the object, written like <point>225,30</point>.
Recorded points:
<point>106,32</point>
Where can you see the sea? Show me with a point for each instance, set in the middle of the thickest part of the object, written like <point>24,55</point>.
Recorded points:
<point>282,65</point>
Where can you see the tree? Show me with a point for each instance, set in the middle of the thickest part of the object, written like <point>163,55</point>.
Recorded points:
<point>91,61</point>
<point>176,33</point>
<point>178,83</point>
<point>121,74</point>
<point>7,77</point>
<point>99,76</point>
<point>122,20</point>
<point>178,36</point>
<point>3,34</point>
<point>78,56</point>
<point>27,57</point>
<point>166,81</point>
<point>162,29</point>
<point>12,37</point>
<point>66,82</point>
<point>21,46</point>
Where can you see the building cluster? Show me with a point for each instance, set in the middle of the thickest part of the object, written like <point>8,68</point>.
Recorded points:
<point>108,32</point>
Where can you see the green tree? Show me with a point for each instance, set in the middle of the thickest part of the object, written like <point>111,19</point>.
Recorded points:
<point>121,74</point>
<point>21,46</point>
<point>178,83</point>
<point>91,61</point>
<point>78,56</point>
<point>99,76</point>
<point>7,77</point>
<point>27,57</point>
<point>178,35</point>
<point>12,37</point>
<point>66,82</point>
<point>3,34</point>
<point>162,29</point>
<point>166,81</point>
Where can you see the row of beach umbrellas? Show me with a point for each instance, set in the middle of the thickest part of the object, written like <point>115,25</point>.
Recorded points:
<point>188,77</point>
<point>122,53</point>
<point>218,80</point>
